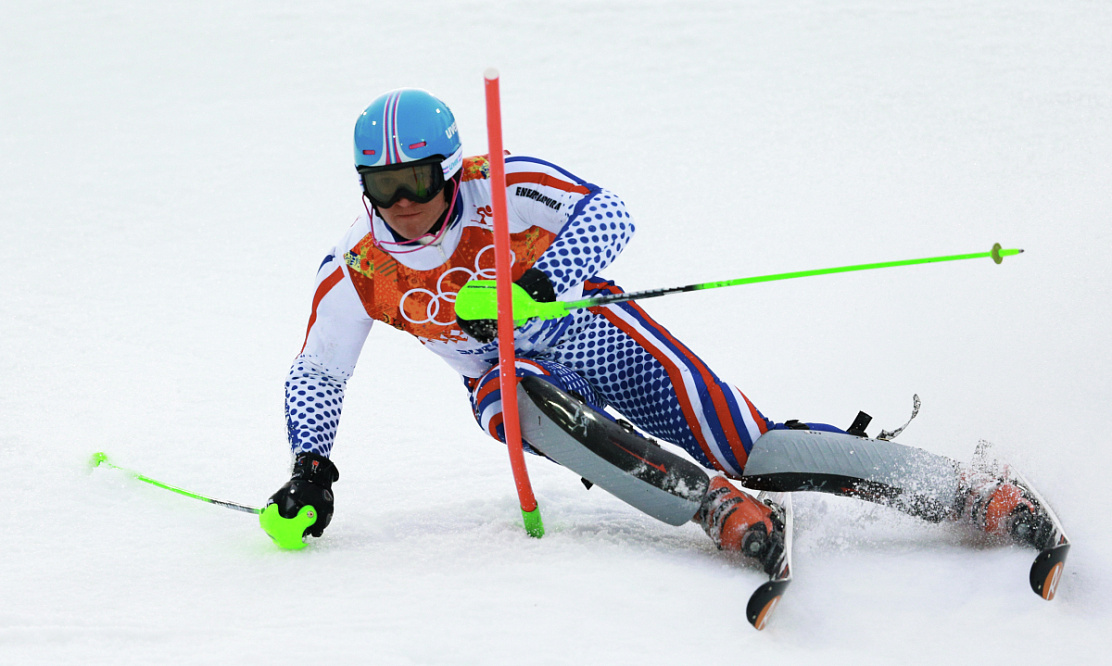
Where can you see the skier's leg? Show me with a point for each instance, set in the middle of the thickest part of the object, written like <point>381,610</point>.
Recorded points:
<point>643,474</point>
<point>661,386</point>
<point>912,480</point>
<point>734,520</point>
<point>917,482</point>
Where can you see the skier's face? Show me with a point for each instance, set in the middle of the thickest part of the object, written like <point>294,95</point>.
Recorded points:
<point>410,219</point>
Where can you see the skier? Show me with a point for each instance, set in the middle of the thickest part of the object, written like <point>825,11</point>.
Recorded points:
<point>426,230</point>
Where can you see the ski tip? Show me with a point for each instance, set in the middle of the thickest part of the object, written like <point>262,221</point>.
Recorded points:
<point>764,602</point>
<point>766,613</point>
<point>1050,585</point>
<point>97,458</point>
<point>1046,572</point>
<point>759,617</point>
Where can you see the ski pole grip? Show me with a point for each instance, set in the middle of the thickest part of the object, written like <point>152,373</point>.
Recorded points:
<point>478,299</point>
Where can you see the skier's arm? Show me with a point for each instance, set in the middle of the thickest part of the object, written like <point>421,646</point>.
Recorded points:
<point>591,224</point>
<point>338,326</point>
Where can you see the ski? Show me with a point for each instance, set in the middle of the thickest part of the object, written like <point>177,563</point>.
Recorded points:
<point>1046,570</point>
<point>765,599</point>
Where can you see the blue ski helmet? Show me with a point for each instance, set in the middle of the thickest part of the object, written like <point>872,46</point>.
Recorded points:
<point>408,125</point>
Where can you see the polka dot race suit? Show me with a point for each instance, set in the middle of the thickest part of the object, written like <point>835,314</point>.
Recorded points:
<point>615,355</point>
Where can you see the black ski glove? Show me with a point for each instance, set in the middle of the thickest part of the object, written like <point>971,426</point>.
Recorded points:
<point>310,485</point>
<point>534,282</point>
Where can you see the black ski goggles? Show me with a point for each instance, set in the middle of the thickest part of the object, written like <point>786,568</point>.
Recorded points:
<point>419,182</point>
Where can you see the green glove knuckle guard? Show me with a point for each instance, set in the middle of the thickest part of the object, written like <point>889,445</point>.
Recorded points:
<point>304,505</point>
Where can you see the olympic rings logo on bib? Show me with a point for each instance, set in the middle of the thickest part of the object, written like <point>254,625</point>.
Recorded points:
<point>440,301</point>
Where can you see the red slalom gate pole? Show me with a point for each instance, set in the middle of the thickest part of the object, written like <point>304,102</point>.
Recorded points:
<point>507,367</point>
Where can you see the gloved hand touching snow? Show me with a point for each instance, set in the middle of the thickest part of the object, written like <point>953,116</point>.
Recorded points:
<point>309,489</point>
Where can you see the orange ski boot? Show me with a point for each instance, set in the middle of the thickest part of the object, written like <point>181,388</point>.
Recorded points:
<point>1001,508</point>
<point>738,522</point>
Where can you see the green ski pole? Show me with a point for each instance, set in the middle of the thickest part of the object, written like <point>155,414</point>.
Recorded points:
<point>286,532</point>
<point>101,458</point>
<point>476,300</point>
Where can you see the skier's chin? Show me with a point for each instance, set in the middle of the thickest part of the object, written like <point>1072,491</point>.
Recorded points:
<point>414,220</point>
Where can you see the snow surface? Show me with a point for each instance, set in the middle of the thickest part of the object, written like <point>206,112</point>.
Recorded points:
<point>172,174</point>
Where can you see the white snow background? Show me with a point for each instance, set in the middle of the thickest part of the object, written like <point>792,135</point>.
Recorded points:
<point>173,173</point>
